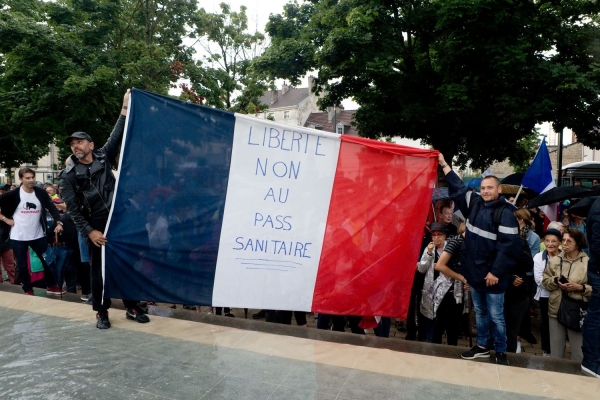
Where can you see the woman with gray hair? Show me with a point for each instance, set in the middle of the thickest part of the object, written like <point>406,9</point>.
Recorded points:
<point>556,225</point>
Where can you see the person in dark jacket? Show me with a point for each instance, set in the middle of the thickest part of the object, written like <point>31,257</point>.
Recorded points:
<point>87,186</point>
<point>516,298</point>
<point>23,209</point>
<point>590,333</point>
<point>491,251</point>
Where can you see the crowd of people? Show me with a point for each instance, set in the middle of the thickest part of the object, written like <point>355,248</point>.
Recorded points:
<point>482,250</point>
<point>503,259</point>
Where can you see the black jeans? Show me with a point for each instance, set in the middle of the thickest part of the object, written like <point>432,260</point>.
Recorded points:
<point>448,318</point>
<point>219,310</point>
<point>412,331</point>
<point>513,315</point>
<point>338,322</point>
<point>39,246</point>
<point>285,317</point>
<point>78,272</point>
<point>545,328</point>
<point>100,303</point>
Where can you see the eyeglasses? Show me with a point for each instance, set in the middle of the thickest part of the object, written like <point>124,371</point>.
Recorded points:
<point>569,241</point>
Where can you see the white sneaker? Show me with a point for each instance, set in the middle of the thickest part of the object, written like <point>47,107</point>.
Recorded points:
<point>546,354</point>
<point>518,347</point>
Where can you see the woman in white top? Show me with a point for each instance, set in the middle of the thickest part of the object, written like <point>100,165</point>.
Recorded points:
<point>552,240</point>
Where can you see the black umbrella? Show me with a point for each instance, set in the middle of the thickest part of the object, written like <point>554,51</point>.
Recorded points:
<point>582,207</point>
<point>440,194</point>
<point>561,193</point>
<point>513,179</point>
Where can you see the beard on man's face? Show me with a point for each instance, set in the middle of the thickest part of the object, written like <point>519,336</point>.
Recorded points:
<point>82,154</point>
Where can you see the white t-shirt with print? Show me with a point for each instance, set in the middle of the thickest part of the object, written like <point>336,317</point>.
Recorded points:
<point>27,218</point>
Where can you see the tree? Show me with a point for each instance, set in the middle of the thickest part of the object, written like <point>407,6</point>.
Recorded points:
<point>470,78</point>
<point>66,64</point>
<point>224,77</point>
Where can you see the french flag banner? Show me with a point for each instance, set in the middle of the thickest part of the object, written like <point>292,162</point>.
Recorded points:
<point>215,208</point>
<point>539,179</point>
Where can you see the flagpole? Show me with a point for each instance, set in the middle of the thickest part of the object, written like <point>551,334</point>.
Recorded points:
<point>518,193</point>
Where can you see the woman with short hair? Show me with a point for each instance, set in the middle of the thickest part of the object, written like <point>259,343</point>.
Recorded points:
<point>566,275</point>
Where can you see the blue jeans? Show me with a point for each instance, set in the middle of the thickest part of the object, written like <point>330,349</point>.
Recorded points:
<point>83,248</point>
<point>591,326</point>
<point>489,307</point>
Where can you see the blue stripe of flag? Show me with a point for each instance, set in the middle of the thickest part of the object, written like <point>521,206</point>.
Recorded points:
<point>539,174</point>
<point>174,171</point>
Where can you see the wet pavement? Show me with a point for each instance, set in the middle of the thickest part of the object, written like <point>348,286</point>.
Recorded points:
<point>50,348</point>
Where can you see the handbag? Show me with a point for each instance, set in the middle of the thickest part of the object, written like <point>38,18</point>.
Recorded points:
<point>571,312</point>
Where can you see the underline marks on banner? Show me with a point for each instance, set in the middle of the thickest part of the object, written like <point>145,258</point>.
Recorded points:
<point>266,264</point>
<point>269,269</point>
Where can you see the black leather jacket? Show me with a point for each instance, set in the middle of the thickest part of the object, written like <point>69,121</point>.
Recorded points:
<point>88,189</point>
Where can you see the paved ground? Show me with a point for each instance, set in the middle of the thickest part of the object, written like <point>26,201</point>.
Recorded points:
<point>51,349</point>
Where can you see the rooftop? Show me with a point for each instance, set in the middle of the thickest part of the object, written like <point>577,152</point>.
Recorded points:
<point>286,97</point>
<point>324,121</point>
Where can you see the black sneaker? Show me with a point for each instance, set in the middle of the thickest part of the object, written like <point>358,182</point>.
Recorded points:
<point>102,321</point>
<point>137,316</point>
<point>590,369</point>
<point>501,359</point>
<point>142,306</point>
<point>475,352</point>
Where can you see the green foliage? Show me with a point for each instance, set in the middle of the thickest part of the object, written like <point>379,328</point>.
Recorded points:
<point>65,65</point>
<point>224,77</point>
<point>470,78</point>
<point>524,152</point>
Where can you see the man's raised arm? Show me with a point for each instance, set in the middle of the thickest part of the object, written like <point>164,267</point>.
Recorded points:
<point>458,191</point>
<point>111,148</point>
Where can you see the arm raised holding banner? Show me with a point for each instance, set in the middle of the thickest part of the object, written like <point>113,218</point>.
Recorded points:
<point>88,185</point>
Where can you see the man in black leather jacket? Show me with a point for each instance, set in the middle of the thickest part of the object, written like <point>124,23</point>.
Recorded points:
<point>87,186</point>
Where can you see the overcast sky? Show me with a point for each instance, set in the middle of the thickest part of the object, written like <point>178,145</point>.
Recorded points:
<point>258,12</point>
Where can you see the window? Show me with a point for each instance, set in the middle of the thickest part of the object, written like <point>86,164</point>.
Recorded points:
<point>286,114</point>
<point>271,117</point>
<point>339,128</point>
